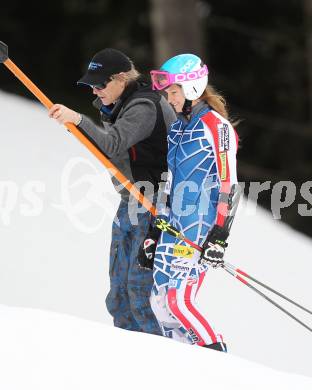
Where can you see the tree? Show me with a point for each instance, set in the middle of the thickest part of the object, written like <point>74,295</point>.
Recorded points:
<point>176,28</point>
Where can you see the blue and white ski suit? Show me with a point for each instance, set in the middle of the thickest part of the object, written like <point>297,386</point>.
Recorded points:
<point>202,172</point>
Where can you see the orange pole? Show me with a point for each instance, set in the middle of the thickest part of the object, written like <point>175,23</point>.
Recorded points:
<point>83,139</point>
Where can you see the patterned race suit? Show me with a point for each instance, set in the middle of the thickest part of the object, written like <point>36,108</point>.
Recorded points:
<point>201,182</point>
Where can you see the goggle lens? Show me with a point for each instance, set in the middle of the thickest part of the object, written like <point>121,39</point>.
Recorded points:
<point>160,80</point>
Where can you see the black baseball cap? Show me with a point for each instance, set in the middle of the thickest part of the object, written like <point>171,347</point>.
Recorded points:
<point>103,65</point>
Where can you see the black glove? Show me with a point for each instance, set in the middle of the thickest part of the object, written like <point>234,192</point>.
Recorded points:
<point>147,249</point>
<point>214,247</point>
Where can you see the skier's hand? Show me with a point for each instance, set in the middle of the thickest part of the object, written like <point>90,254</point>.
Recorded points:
<point>213,255</point>
<point>214,248</point>
<point>64,114</point>
<point>147,249</point>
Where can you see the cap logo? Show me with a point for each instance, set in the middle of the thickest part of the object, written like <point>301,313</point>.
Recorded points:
<point>94,65</point>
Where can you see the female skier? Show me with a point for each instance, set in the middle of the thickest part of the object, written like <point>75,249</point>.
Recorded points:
<point>201,184</point>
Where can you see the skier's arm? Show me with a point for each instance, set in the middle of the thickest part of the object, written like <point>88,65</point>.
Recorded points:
<point>226,161</point>
<point>225,147</point>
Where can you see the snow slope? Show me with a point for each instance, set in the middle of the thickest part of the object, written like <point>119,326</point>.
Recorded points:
<point>45,350</point>
<point>56,209</point>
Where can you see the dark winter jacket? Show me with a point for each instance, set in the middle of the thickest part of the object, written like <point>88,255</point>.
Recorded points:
<point>134,134</point>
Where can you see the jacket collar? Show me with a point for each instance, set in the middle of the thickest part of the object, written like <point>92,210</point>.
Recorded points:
<point>200,106</point>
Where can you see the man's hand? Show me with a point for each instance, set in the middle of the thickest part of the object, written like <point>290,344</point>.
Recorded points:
<point>146,253</point>
<point>147,249</point>
<point>64,114</point>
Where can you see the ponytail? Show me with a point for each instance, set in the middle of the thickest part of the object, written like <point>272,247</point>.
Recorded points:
<point>215,101</point>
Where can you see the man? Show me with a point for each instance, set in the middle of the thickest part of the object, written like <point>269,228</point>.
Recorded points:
<point>133,135</point>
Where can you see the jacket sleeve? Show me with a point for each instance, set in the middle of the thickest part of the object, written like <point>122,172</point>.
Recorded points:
<point>135,123</point>
<point>226,143</point>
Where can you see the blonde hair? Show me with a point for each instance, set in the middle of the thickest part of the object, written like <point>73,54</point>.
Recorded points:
<point>218,103</point>
<point>129,76</point>
<point>215,101</point>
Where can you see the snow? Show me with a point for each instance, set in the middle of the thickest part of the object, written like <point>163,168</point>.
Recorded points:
<point>45,350</point>
<point>56,208</point>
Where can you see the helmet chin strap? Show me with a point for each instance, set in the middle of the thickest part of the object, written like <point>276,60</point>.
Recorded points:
<point>187,108</point>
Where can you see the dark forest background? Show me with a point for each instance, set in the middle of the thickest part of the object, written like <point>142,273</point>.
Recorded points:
<point>259,56</point>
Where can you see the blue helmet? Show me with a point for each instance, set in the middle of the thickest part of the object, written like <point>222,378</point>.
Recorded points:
<point>189,72</point>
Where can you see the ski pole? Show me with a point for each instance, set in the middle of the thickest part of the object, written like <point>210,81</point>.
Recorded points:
<point>160,223</point>
<point>233,273</point>
<point>239,271</point>
<point>90,146</point>
<point>113,170</point>
<point>75,131</point>
<point>164,226</point>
